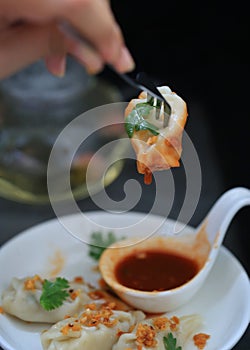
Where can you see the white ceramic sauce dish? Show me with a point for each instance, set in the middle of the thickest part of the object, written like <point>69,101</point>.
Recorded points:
<point>202,246</point>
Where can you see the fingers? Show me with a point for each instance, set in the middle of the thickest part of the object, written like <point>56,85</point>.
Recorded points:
<point>92,18</point>
<point>95,21</point>
<point>83,52</point>
<point>19,47</point>
<point>56,64</point>
<point>25,44</point>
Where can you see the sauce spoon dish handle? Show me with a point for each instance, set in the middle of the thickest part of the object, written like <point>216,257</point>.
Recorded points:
<point>221,215</point>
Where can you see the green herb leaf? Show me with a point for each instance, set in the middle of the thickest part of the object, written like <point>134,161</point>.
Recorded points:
<point>170,342</point>
<point>54,293</point>
<point>98,243</point>
<point>135,121</point>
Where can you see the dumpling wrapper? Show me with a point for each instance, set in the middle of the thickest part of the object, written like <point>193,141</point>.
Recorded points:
<point>74,334</point>
<point>24,303</point>
<point>163,151</point>
<point>149,333</point>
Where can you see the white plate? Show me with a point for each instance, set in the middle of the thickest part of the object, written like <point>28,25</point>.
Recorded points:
<point>223,301</point>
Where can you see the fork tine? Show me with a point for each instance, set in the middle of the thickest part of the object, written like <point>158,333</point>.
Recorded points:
<point>143,82</point>
<point>149,97</point>
<point>166,115</point>
<point>157,110</point>
<point>155,104</point>
<point>165,107</point>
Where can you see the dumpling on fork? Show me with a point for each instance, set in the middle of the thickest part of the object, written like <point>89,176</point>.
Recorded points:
<point>156,147</point>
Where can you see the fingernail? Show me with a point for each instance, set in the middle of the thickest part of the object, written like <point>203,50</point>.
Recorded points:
<point>93,71</point>
<point>125,62</point>
<point>56,65</point>
<point>92,62</point>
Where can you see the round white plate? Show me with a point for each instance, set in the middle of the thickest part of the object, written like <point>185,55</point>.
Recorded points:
<point>223,301</point>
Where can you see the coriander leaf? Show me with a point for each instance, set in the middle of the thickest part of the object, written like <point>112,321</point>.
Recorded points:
<point>54,293</point>
<point>135,121</point>
<point>143,108</point>
<point>98,243</point>
<point>170,342</point>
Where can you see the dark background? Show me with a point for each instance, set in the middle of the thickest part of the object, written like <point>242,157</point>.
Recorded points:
<point>199,50</point>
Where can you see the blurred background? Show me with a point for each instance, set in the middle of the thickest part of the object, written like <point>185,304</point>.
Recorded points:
<point>200,52</point>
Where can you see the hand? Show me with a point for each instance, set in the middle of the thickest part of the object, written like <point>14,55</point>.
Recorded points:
<point>30,30</point>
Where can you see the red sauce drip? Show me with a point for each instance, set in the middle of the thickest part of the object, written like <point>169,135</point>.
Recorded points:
<point>155,270</point>
<point>147,177</point>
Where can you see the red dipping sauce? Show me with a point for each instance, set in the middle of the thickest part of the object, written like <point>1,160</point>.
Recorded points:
<point>155,270</point>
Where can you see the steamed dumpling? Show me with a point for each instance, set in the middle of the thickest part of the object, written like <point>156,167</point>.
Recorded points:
<point>22,299</point>
<point>98,327</point>
<point>148,334</point>
<point>162,151</point>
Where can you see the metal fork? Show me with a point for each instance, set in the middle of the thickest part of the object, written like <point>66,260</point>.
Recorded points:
<point>143,82</point>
